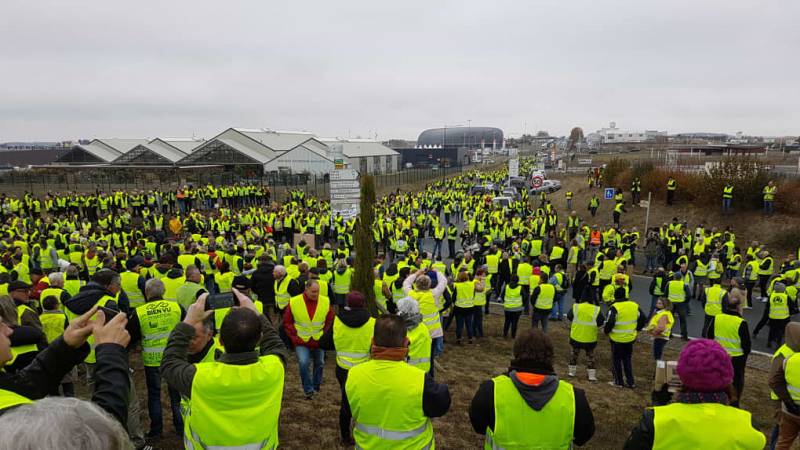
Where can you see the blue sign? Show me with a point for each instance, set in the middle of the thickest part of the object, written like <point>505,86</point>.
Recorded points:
<point>608,194</point>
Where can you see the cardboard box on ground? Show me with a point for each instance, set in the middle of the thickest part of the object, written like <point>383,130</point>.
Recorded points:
<point>666,373</point>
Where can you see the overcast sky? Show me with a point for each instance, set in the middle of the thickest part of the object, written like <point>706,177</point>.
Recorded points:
<point>84,69</point>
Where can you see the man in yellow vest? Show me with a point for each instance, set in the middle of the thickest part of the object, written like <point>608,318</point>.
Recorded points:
<point>188,292</point>
<point>393,402</point>
<point>625,318</point>
<point>586,319</point>
<point>351,338</point>
<point>529,407</point>
<point>679,294</point>
<point>699,416</point>
<point>305,320</point>
<point>151,323</point>
<point>730,330</point>
<point>19,291</point>
<point>56,289</point>
<point>769,192</point>
<point>245,381</point>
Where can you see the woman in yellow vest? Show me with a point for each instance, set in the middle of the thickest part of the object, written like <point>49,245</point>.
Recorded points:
<point>660,326</point>
<point>699,416</point>
<point>529,407</point>
<point>512,306</point>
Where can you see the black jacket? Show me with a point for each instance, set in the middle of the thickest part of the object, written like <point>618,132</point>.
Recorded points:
<point>24,335</point>
<point>481,410</point>
<point>88,296</point>
<point>263,283</point>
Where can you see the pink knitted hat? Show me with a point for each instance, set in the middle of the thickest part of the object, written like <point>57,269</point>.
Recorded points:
<point>704,366</point>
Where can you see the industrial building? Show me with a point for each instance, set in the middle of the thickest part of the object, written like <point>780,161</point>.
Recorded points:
<point>366,156</point>
<point>467,137</point>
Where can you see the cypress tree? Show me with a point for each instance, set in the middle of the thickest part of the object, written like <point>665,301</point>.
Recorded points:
<point>363,276</point>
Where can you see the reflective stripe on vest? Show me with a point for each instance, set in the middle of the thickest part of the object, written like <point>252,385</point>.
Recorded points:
<point>156,320</point>
<point>419,348</point>
<point>778,306</point>
<point>428,309</point>
<point>584,322</point>
<point>791,372</point>
<point>352,344</point>
<point>308,327</point>
<point>625,325</point>
<point>547,292</point>
<point>465,294</point>
<point>513,299</point>
<point>676,291</point>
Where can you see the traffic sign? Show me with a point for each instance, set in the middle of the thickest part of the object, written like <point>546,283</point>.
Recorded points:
<point>344,174</point>
<point>345,193</point>
<point>608,194</point>
<point>513,167</point>
<point>537,182</point>
<point>347,184</point>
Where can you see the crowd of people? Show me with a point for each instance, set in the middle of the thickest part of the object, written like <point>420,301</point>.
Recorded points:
<point>217,286</point>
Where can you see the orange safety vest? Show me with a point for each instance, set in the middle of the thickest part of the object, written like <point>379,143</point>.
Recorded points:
<point>594,238</point>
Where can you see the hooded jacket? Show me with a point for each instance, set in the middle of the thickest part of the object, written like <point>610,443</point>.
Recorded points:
<point>536,391</point>
<point>89,295</point>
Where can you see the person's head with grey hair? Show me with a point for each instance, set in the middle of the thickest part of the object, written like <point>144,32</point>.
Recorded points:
<point>278,272</point>
<point>193,273</point>
<point>65,423</point>
<point>154,289</point>
<point>8,310</point>
<point>72,270</point>
<point>408,309</point>
<point>56,279</point>
<point>422,283</point>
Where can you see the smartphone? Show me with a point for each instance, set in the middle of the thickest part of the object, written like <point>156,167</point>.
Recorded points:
<point>109,313</point>
<point>220,301</point>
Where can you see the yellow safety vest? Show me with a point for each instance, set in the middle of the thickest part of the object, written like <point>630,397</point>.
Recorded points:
<point>726,332</point>
<point>156,320</point>
<point>791,372</point>
<point>625,325</point>
<point>524,272</point>
<point>512,301</point>
<point>386,400</point>
<point>778,306</point>
<point>9,399</point>
<point>226,397</point>
<point>584,322</point>
<point>657,317</point>
<point>171,286</point>
<point>547,292</point>
<point>130,284</point>
<point>465,294</point>
<point>428,309</point>
<point>419,349</point>
<point>714,296</point>
<point>282,296</point>
<point>683,425</point>
<point>53,323</point>
<point>308,327</point>
<point>676,292</point>
<point>52,292</point>
<point>785,351</point>
<point>352,344</point>
<point>224,281</point>
<point>518,426</point>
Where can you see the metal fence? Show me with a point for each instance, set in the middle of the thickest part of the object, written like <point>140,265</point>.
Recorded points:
<point>86,180</point>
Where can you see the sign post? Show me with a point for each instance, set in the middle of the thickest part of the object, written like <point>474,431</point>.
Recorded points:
<point>345,188</point>
<point>647,215</point>
<point>513,163</point>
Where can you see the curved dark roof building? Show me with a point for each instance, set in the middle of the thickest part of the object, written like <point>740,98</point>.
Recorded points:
<point>461,137</point>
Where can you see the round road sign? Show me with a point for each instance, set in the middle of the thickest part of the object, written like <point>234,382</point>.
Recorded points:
<point>537,182</point>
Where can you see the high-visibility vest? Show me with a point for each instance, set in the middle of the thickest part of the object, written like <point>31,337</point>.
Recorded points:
<point>341,281</point>
<point>187,293</point>
<point>676,291</point>
<point>52,292</point>
<point>684,425</point>
<point>104,300</point>
<point>92,264</point>
<point>130,284</point>
<point>22,309</point>
<point>386,401</point>
<point>156,320</point>
<point>657,317</point>
<point>428,309</point>
<point>492,263</point>
<point>465,294</point>
<point>171,286</point>
<point>53,323</point>
<point>608,293</point>
<point>556,253</point>
<point>524,273</point>
<point>770,266</point>
<point>785,351</point>
<point>701,269</point>
<point>73,286</point>
<point>778,305</point>
<point>513,299</point>
<point>625,325</point>
<point>479,298</point>
<point>727,192</point>
<point>225,398</point>
<point>309,327</point>
<point>19,350</point>
<point>282,295</point>
<point>584,322</point>
<point>726,332</point>
<point>224,281</point>
<point>377,289</point>
<point>419,349</point>
<point>352,344</point>
<point>547,293</point>
<point>9,399</point>
<point>791,372</point>
<point>714,296</point>
<point>518,426</point>
<point>769,193</point>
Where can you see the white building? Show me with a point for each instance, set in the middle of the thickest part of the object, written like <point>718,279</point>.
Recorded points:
<point>614,135</point>
<point>367,156</point>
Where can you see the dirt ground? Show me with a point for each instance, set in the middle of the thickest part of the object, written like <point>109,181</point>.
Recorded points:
<point>314,424</point>
<point>748,225</point>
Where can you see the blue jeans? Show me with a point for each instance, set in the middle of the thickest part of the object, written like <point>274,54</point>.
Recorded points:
<point>152,378</point>
<point>652,262</point>
<point>477,321</point>
<point>558,304</point>
<point>768,207</point>
<point>437,248</point>
<point>726,204</point>
<point>539,317</point>
<point>304,355</point>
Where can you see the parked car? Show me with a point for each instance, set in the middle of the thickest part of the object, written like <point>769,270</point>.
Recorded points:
<point>547,186</point>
